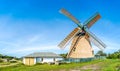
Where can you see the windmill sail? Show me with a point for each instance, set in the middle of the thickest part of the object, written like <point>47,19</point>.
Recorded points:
<point>68,38</point>
<point>66,13</point>
<point>92,20</point>
<point>95,40</point>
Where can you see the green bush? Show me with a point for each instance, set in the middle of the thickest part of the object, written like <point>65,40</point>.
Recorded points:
<point>115,55</point>
<point>1,60</point>
<point>13,61</point>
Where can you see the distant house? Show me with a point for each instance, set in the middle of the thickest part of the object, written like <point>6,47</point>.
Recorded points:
<point>41,57</point>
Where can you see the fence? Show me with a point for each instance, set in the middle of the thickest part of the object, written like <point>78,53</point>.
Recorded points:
<point>84,59</point>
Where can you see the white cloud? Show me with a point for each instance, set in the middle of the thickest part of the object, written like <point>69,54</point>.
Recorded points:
<point>30,49</point>
<point>34,38</point>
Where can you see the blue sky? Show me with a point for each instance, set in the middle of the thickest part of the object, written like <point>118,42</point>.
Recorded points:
<point>28,26</point>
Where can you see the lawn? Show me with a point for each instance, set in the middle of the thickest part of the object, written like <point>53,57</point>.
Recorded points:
<point>96,65</point>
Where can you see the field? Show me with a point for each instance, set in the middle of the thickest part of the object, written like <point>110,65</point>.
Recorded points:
<point>96,65</point>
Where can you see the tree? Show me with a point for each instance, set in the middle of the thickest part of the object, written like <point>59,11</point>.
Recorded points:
<point>115,55</point>
<point>63,55</point>
<point>0,55</point>
<point>101,53</point>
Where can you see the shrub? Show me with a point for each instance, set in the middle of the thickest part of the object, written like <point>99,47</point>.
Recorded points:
<point>13,61</point>
<point>1,60</point>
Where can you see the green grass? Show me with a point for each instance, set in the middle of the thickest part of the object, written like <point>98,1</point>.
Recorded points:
<point>4,63</point>
<point>111,65</point>
<point>105,65</point>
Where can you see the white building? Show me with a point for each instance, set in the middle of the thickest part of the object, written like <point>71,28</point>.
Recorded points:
<point>41,57</point>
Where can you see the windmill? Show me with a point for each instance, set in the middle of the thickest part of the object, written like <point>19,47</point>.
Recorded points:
<point>81,38</point>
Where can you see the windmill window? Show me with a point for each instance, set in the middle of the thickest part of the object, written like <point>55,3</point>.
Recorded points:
<point>74,49</point>
<point>92,52</point>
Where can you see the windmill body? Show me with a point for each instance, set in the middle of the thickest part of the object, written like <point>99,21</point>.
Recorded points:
<point>80,48</point>
<point>81,38</point>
